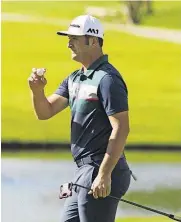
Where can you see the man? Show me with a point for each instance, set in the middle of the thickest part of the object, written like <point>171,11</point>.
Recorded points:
<point>97,96</point>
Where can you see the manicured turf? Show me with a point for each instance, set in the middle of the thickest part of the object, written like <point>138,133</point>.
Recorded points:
<point>161,198</point>
<point>54,9</point>
<point>143,219</point>
<point>166,13</point>
<point>132,156</point>
<point>151,69</point>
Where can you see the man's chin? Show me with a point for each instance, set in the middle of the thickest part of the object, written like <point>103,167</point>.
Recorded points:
<point>74,57</point>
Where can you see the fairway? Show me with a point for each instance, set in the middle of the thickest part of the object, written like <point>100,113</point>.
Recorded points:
<point>150,68</point>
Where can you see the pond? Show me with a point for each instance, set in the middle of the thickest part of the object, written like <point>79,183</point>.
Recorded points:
<point>30,188</point>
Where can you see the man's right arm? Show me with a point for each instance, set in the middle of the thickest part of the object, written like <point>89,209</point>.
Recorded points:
<point>45,107</point>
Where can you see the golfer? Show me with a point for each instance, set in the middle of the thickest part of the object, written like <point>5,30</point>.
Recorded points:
<point>98,98</point>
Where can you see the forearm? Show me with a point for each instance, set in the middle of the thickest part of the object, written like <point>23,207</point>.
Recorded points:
<point>114,151</point>
<point>41,105</point>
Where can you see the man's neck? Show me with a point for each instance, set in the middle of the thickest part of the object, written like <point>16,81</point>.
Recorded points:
<point>87,63</point>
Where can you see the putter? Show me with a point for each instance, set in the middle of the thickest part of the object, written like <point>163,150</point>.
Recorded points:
<point>66,191</point>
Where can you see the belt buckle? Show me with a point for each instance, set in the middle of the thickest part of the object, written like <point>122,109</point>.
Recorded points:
<point>88,159</point>
<point>82,161</point>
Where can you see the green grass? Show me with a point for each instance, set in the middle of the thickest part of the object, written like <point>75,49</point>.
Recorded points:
<point>132,156</point>
<point>161,198</point>
<point>143,219</point>
<point>151,69</point>
<point>166,13</point>
<point>55,9</point>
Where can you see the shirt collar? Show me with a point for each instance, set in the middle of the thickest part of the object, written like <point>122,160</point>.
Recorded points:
<point>95,65</point>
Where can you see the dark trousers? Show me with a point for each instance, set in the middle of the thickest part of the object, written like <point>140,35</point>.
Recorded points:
<point>82,207</point>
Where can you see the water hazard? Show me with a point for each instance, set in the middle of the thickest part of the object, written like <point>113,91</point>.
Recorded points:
<point>30,188</point>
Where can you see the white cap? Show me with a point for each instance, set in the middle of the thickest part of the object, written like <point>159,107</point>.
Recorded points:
<point>84,25</point>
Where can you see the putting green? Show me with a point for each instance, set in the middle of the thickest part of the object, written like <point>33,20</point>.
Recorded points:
<point>144,219</point>
<point>160,198</point>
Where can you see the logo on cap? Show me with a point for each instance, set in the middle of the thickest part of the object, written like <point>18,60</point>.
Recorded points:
<point>95,31</point>
<point>75,26</point>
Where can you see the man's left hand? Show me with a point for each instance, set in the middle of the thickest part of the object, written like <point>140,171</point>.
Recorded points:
<point>101,186</point>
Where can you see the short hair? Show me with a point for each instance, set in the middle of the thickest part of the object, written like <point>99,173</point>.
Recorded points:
<point>100,40</point>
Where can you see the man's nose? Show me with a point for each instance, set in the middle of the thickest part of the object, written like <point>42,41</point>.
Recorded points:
<point>69,45</point>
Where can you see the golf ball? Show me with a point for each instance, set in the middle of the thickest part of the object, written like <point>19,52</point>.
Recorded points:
<point>40,72</point>
<point>33,70</point>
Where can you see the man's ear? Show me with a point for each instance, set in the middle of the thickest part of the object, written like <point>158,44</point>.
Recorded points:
<point>93,41</point>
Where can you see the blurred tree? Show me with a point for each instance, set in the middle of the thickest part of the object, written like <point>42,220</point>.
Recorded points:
<point>134,11</point>
<point>137,8</point>
<point>149,7</point>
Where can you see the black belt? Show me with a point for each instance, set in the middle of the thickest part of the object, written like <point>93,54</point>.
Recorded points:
<point>89,159</point>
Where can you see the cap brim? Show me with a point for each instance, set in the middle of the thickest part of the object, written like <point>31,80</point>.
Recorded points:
<point>64,33</point>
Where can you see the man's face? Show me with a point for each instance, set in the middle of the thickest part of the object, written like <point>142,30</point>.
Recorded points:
<point>79,47</point>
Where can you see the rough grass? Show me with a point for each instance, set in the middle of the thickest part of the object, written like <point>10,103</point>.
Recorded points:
<point>151,69</point>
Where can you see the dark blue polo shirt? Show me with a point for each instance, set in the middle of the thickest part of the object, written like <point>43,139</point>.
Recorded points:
<point>93,96</point>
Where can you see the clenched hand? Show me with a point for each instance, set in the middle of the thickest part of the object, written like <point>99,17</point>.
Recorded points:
<point>36,83</point>
<point>101,186</point>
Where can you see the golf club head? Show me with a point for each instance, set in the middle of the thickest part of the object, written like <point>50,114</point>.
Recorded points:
<point>65,190</point>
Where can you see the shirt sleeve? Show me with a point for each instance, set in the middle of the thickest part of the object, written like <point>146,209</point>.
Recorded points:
<point>63,89</point>
<point>112,93</point>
